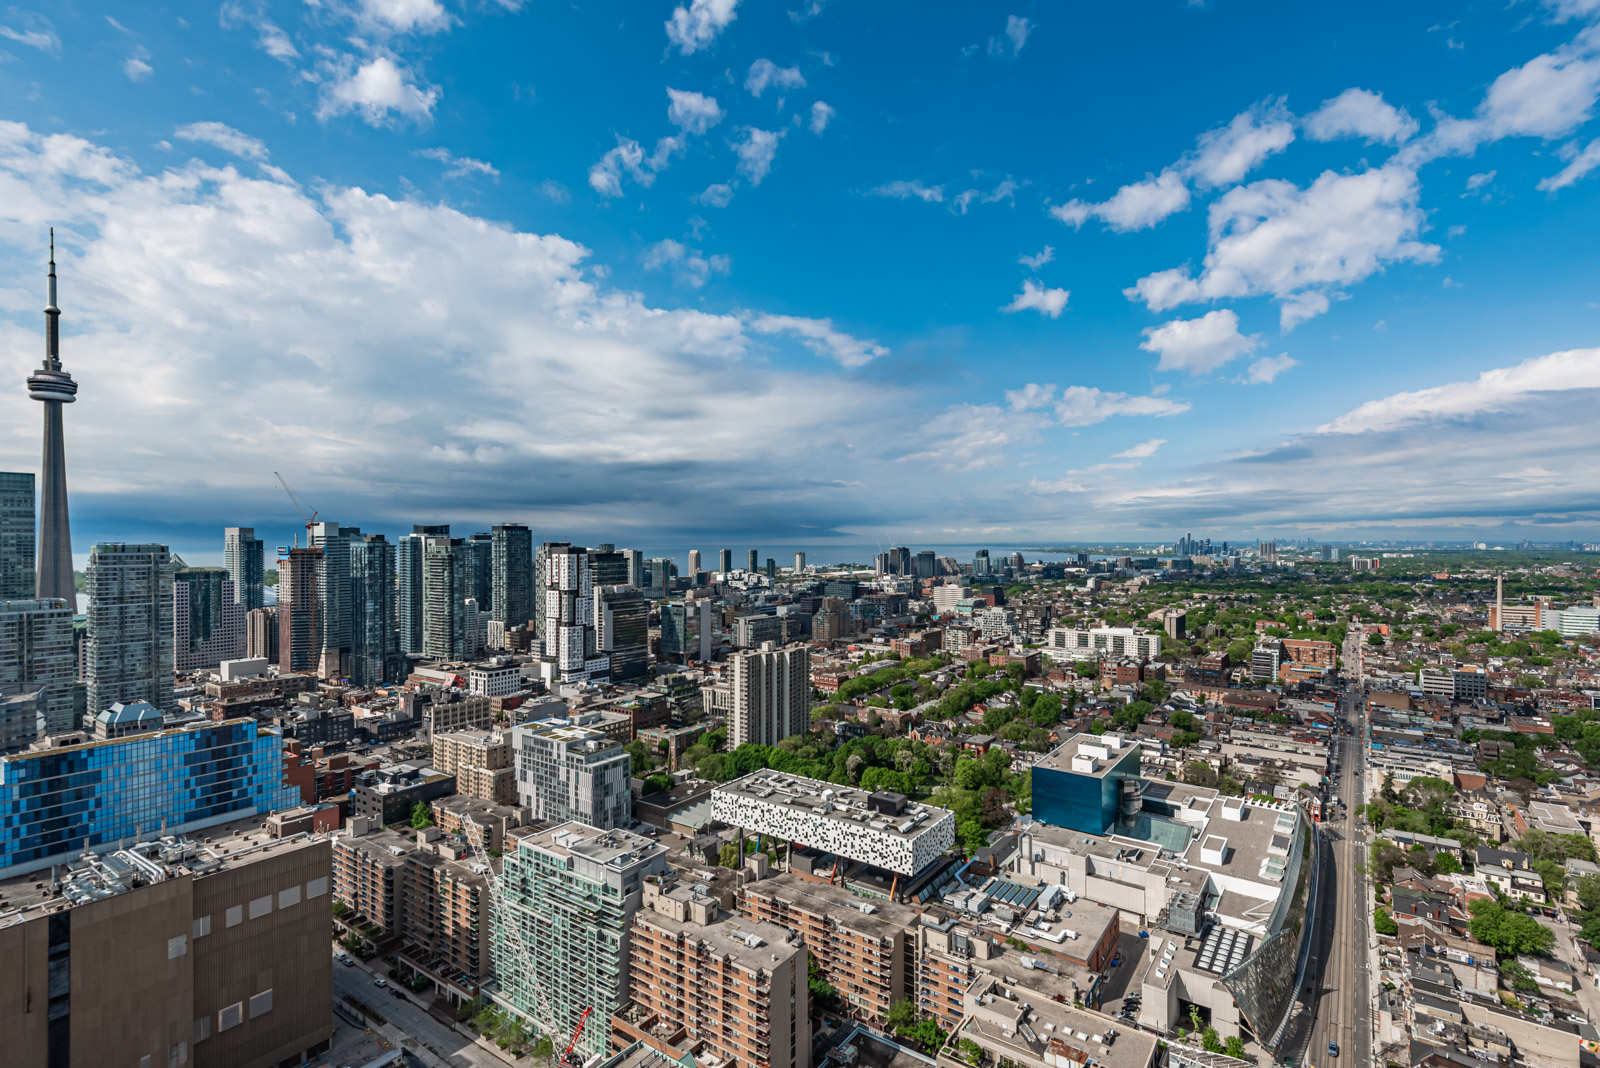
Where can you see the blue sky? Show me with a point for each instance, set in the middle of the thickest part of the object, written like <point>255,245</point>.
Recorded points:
<point>941,273</point>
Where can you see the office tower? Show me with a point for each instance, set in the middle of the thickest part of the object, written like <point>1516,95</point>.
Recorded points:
<point>622,626</point>
<point>408,582</point>
<point>660,575</point>
<point>568,771</point>
<point>482,549</point>
<point>608,566</point>
<point>926,564</point>
<point>375,656</point>
<point>771,694</point>
<point>37,655</point>
<point>693,963</point>
<point>208,622</point>
<point>900,559</point>
<point>511,552</point>
<point>772,568</point>
<point>880,564</point>
<point>754,631</point>
<point>130,655</point>
<point>18,572</point>
<point>333,590</point>
<point>686,630</point>
<point>203,954</point>
<point>261,633</point>
<point>1018,562</point>
<point>799,563</point>
<point>725,560</point>
<point>299,609</point>
<point>53,387</point>
<point>242,555</point>
<point>755,562</point>
<point>188,778</point>
<point>448,572</point>
<point>694,563</point>
<point>21,720</point>
<point>980,562</point>
<point>560,939</point>
<point>635,561</point>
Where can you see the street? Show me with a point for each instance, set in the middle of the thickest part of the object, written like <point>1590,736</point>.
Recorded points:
<point>436,1043</point>
<point>1337,999</point>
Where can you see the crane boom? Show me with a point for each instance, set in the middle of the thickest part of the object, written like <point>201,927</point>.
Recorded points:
<point>522,962</point>
<point>310,519</point>
<point>309,515</point>
<point>568,1057</point>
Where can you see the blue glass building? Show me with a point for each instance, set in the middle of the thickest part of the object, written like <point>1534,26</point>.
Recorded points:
<point>1078,785</point>
<point>54,802</point>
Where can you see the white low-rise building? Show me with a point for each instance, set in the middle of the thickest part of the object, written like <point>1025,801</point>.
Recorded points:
<point>881,829</point>
<point>1111,641</point>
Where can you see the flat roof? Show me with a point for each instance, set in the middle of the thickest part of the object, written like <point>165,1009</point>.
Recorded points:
<point>849,910</point>
<point>112,872</point>
<point>844,805</point>
<point>575,839</point>
<point>1000,1017</point>
<point>750,943</point>
<point>1105,749</point>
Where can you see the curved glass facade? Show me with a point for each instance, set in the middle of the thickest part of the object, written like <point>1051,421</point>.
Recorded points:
<point>54,802</point>
<point>1264,984</point>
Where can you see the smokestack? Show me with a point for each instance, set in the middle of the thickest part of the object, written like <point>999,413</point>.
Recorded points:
<point>1499,603</point>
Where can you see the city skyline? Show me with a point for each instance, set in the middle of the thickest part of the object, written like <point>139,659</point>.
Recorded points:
<point>1159,307</point>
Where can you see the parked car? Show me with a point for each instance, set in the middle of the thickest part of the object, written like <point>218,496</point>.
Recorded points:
<point>1333,1048</point>
<point>380,983</point>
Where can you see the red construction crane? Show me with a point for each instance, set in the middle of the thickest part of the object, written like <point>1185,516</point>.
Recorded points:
<point>569,1057</point>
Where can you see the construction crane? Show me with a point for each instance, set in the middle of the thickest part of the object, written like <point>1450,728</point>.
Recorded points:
<point>310,517</point>
<point>575,1060</point>
<point>498,903</point>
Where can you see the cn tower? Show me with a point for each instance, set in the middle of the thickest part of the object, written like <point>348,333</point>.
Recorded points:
<point>53,387</point>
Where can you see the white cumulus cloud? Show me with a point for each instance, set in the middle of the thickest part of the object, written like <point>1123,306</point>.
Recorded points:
<point>1492,391</point>
<point>1035,297</point>
<point>821,114</point>
<point>756,152</point>
<point>459,166</point>
<point>36,32</point>
<point>1136,206</point>
<point>696,26</point>
<point>764,72</point>
<point>1581,164</point>
<point>1360,113</point>
<point>1267,368</point>
<point>1273,238</point>
<point>1225,155</point>
<point>377,89</point>
<point>1141,451</point>
<point>692,112</point>
<point>225,137</point>
<point>1199,345</point>
<point>690,267</point>
<point>822,338</point>
<point>405,16</point>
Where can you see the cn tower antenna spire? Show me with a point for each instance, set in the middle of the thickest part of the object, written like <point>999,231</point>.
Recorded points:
<point>52,315</point>
<point>54,387</point>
